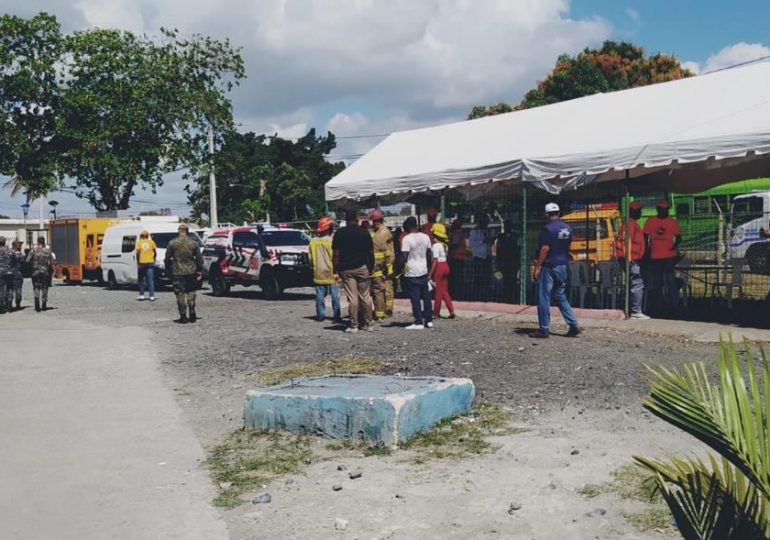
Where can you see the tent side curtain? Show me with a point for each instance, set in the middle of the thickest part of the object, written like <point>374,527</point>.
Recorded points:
<point>689,123</point>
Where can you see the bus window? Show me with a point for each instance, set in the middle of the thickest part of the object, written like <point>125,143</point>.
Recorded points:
<point>682,210</point>
<point>702,205</point>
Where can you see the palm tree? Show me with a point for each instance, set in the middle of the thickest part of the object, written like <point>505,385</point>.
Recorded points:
<point>727,496</point>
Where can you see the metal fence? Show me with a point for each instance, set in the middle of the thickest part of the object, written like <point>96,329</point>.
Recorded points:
<point>722,273</point>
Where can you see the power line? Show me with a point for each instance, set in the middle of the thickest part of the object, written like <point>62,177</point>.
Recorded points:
<point>374,135</point>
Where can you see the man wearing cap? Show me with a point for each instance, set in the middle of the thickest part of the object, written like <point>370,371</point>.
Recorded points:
<point>426,227</point>
<point>384,257</point>
<point>184,261</point>
<point>146,253</point>
<point>324,276</point>
<point>663,236</point>
<point>550,271</point>
<point>634,239</point>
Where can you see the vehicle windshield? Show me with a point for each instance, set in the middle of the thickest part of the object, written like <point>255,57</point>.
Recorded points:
<point>746,209</point>
<point>162,239</point>
<point>579,229</point>
<point>285,238</point>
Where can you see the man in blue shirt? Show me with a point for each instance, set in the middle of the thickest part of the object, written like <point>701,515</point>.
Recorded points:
<point>550,271</point>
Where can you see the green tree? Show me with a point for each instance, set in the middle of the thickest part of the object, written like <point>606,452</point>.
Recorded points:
<point>135,109</point>
<point>614,66</point>
<point>257,174</point>
<point>29,103</point>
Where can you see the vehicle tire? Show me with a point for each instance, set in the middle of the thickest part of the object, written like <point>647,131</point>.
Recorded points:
<point>218,283</point>
<point>112,283</point>
<point>65,275</point>
<point>270,286</point>
<point>758,258</point>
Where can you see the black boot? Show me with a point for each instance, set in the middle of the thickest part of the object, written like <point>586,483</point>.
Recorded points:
<point>182,316</point>
<point>18,305</point>
<point>45,305</point>
<point>37,304</point>
<point>193,316</point>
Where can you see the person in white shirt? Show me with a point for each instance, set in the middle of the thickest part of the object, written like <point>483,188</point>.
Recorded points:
<point>415,251</point>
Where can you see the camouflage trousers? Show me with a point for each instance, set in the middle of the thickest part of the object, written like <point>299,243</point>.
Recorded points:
<point>6,292</point>
<point>184,289</point>
<point>40,284</point>
<point>18,283</point>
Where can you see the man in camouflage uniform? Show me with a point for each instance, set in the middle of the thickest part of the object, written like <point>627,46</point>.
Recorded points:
<point>18,275</point>
<point>7,264</point>
<point>184,261</point>
<point>40,260</point>
<point>384,257</point>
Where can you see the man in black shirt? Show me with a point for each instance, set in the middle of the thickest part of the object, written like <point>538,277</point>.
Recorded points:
<point>353,254</point>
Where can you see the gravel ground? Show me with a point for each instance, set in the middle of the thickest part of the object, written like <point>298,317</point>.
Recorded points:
<point>569,393</point>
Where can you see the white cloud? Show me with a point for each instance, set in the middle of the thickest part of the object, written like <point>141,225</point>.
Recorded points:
<point>632,14</point>
<point>692,66</point>
<point>735,54</point>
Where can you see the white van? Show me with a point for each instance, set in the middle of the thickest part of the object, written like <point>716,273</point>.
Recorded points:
<point>119,265</point>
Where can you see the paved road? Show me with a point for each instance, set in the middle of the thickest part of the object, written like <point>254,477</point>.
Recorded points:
<point>93,444</point>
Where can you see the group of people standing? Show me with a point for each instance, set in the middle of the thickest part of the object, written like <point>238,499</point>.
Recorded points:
<point>364,261</point>
<point>12,261</point>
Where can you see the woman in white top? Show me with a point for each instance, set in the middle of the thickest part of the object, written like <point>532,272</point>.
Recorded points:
<point>439,270</point>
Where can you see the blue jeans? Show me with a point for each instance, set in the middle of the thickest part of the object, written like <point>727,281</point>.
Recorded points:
<point>553,282</point>
<point>321,292</point>
<point>147,272</point>
<point>417,288</point>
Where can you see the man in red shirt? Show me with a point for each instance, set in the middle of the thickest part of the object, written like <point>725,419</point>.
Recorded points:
<point>635,240</point>
<point>663,236</point>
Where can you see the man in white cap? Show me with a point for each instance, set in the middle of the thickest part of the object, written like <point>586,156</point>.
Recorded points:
<point>550,271</point>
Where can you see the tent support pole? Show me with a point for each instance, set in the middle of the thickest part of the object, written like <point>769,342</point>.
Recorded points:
<point>627,247</point>
<point>523,266</point>
<point>443,207</point>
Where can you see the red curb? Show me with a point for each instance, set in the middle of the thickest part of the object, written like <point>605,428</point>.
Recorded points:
<point>523,309</point>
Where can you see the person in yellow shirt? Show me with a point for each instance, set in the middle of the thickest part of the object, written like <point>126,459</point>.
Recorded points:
<point>146,253</point>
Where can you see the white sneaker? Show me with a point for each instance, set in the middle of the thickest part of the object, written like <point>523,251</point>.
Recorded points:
<point>639,316</point>
<point>429,325</point>
<point>140,297</point>
<point>415,326</point>
<point>152,298</point>
<point>351,330</point>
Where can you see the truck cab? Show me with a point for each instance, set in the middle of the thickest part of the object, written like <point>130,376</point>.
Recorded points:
<point>593,231</point>
<point>748,214</point>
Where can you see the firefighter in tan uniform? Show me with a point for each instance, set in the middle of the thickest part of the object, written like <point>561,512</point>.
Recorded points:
<point>384,257</point>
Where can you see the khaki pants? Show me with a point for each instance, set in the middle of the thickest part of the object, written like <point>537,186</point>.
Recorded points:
<point>356,285</point>
<point>378,289</point>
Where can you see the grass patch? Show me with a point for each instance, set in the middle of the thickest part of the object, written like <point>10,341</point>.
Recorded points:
<point>631,482</point>
<point>656,518</point>
<point>350,364</point>
<point>367,448</point>
<point>248,459</point>
<point>462,435</point>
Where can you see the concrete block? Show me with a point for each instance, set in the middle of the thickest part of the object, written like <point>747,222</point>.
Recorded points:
<point>375,407</point>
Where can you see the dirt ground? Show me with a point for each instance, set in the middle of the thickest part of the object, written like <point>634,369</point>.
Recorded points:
<point>579,400</point>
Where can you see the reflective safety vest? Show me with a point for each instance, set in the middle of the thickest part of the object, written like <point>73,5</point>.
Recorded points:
<point>320,250</point>
<point>637,241</point>
<point>383,251</point>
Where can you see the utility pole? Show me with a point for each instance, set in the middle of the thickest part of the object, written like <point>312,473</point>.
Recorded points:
<point>212,182</point>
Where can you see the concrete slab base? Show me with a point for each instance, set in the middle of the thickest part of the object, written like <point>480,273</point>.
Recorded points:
<point>375,407</point>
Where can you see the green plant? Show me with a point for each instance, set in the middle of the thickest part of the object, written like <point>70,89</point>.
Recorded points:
<point>727,495</point>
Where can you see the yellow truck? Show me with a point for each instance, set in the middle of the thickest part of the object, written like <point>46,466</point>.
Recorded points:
<point>593,232</point>
<point>77,245</point>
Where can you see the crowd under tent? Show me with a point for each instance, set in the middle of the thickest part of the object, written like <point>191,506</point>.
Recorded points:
<point>682,136</point>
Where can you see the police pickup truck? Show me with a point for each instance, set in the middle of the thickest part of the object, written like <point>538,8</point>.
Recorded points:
<point>276,259</point>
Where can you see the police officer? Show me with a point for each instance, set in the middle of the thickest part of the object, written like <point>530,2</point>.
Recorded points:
<point>18,273</point>
<point>40,260</point>
<point>384,257</point>
<point>7,264</point>
<point>184,261</point>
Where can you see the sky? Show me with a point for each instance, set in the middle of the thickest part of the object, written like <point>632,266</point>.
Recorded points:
<point>366,68</point>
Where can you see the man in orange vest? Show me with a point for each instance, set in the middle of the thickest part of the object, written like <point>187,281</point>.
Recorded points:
<point>663,235</point>
<point>634,239</point>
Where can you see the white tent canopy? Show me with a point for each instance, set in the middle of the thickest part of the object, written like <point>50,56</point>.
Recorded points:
<point>686,135</point>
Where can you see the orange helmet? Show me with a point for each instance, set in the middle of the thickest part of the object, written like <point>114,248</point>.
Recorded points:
<point>376,215</point>
<point>324,224</point>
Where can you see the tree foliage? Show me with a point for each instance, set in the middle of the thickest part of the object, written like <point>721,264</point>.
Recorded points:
<point>29,101</point>
<point>259,175</point>
<point>111,110</point>
<point>614,66</point>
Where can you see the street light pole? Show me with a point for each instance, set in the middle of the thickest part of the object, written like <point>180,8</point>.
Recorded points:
<point>212,182</point>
